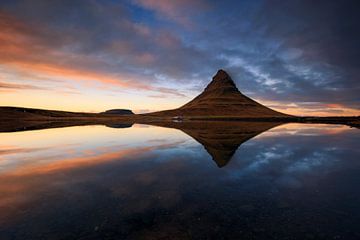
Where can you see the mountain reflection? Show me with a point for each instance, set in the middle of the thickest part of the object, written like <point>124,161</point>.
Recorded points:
<point>220,139</point>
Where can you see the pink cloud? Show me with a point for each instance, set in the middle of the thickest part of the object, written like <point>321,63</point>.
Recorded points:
<point>16,86</point>
<point>25,48</point>
<point>145,58</point>
<point>175,10</point>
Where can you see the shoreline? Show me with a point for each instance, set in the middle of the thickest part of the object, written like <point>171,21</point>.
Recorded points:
<point>22,119</point>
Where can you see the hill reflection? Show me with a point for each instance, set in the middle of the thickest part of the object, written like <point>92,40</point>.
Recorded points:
<point>220,139</point>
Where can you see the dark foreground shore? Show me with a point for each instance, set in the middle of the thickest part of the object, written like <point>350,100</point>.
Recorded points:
<point>22,119</point>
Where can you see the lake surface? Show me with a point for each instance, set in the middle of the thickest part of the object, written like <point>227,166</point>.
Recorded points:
<point>291,181</point>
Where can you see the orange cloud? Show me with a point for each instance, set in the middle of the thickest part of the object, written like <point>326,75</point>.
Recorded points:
<point>5,85</point>
<point>76,74</point>
<point>312,109</point>
<point>25,47</point>
<point>334,105</point>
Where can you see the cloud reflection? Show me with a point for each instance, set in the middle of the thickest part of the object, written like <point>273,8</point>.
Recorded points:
<point>122,178</point>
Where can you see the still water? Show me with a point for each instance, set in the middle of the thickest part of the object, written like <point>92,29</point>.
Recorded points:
<point>247,181</point>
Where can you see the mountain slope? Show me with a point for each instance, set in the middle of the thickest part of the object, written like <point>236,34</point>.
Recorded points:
<point>221,97</point>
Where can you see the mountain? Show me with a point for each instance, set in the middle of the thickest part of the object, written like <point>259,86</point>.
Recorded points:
<point>221,97</point>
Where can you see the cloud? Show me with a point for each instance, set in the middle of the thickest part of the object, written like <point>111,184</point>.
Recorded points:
<point>326,35</point>
<point>313,108</point>
<point>284,56</point>
<point>26,48</point>
<point>19,86</point>
<point>306,53</point>
<point>130,48</point>
<point>175,10</point>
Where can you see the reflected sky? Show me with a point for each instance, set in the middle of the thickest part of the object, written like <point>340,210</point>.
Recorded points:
<point>146,182</point>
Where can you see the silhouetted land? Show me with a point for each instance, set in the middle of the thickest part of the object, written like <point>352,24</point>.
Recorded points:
<point>20,119</point>
<point>221,97</point>
<point>221,100</point>
<point>221,136</point>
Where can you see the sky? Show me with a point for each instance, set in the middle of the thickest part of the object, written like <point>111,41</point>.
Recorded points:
<point>299,57</point>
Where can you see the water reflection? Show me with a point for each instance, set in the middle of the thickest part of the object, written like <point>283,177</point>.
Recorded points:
<point>220,139</point>
<point>144,182</point>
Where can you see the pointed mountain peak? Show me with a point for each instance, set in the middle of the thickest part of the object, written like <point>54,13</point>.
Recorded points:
<point>221,75</point>
<point>221,81</point>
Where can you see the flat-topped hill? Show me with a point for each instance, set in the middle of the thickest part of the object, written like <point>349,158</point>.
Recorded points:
<point>119,112</point>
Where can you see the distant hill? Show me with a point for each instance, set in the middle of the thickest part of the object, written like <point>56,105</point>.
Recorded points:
<point>221,97</point>
<point>17,113</point>
<point>21,119</point>
<point>118,112</point>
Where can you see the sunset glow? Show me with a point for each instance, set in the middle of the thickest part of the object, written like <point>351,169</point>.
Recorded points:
<point>155,55</point>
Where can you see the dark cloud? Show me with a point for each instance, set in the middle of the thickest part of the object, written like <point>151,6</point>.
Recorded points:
<point>102,37</point>
<point>327,34</point>
<point>291,50</point>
